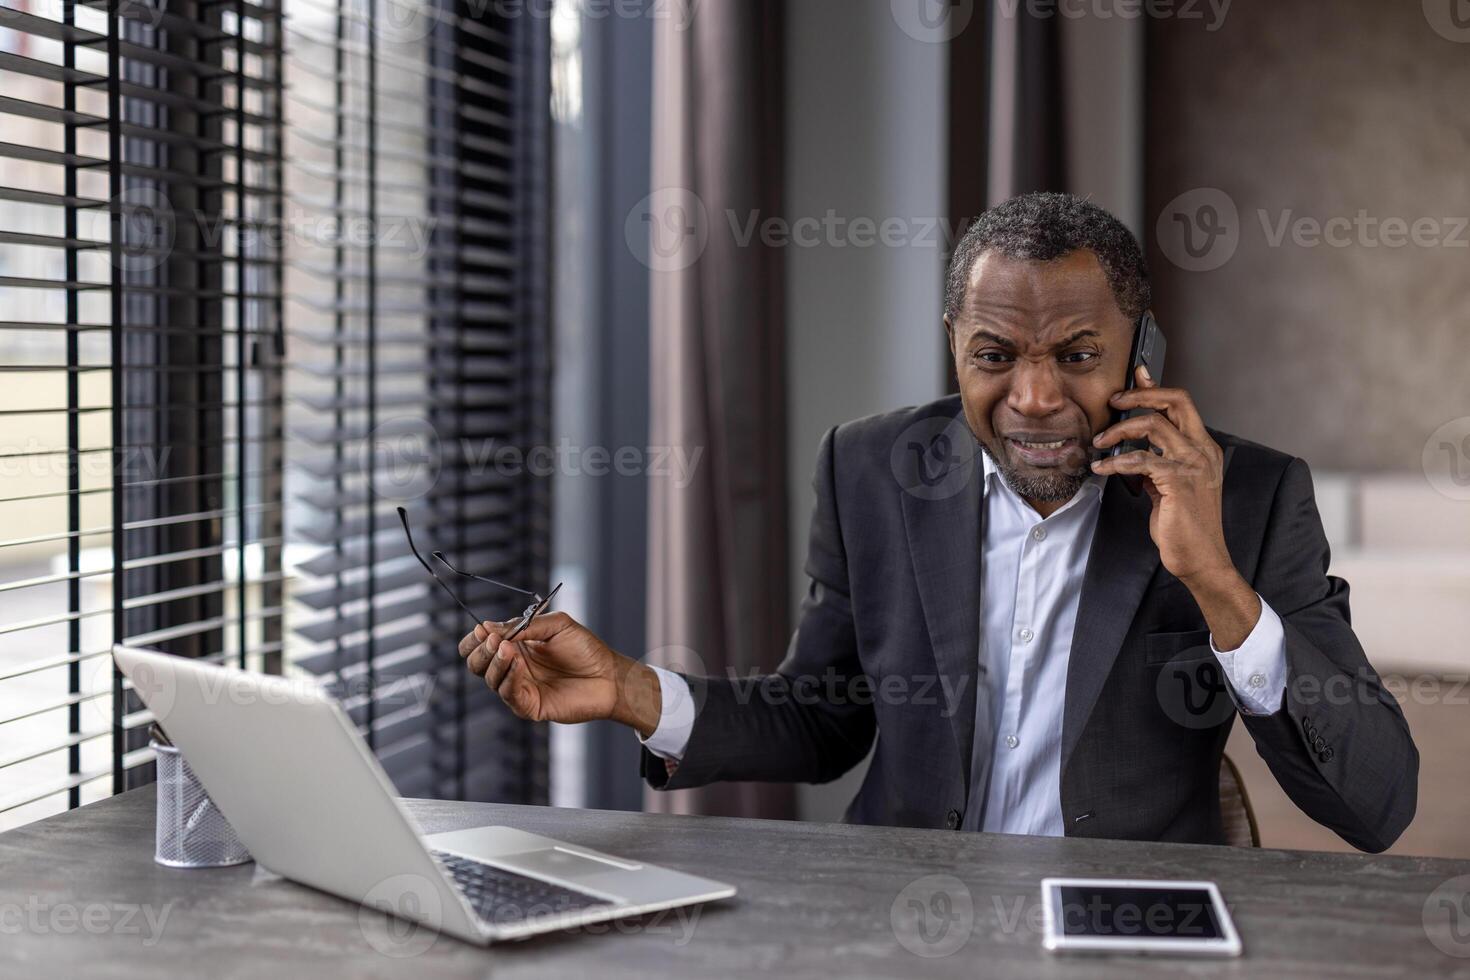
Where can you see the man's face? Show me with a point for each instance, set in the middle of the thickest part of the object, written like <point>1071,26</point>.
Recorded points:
<point>1039,347</point>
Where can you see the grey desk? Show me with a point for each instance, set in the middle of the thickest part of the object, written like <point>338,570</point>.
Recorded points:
<point>815,900</point>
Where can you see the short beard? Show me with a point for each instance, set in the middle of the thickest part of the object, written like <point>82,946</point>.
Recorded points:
<point>1060,485</point>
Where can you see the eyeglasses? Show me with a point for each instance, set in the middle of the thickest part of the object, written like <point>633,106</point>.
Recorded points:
<point>538,601</point>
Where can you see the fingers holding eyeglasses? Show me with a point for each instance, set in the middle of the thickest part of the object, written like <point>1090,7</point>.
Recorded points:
<point>502,663</point>
<point>478,646</point>
<point>474,638</point>
<point>558,670</point>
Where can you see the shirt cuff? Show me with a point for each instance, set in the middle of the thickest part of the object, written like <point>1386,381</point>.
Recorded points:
<point>671,737</point>
<point>1256,670</point>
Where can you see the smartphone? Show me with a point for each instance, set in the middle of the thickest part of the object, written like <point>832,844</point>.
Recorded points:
<point>1148,350</point>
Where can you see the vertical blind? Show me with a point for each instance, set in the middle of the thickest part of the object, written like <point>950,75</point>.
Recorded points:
<point>416,158</point>
<point>186,188</point>
<point>140,376</point>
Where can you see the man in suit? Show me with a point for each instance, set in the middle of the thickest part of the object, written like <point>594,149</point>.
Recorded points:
<point>1035,646</point>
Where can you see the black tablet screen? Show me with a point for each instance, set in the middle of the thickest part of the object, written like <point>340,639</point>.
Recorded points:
<point>1138,913</point>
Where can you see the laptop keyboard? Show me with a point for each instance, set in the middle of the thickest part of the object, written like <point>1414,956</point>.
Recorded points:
<point>501,897</point>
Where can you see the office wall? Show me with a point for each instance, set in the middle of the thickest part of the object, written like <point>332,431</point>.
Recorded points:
<point>1349,355</point>
<point>865,140</point>
<point>1102,95</point>
<point>1349,351</point>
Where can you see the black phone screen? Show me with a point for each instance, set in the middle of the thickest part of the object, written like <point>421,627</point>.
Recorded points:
<point>1137,913</point>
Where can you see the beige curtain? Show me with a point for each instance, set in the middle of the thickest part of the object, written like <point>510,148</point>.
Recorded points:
<point>718,593</point>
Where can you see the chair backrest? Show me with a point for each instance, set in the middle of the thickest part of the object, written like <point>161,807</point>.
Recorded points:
<point>1235,808</point>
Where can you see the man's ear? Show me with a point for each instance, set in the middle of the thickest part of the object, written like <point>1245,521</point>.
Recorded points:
<point>949,333</point>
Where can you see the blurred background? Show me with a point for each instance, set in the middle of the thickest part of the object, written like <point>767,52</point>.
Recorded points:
<point>581,283</point>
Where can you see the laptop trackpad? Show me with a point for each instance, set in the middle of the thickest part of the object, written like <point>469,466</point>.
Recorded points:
<point>556,862</point>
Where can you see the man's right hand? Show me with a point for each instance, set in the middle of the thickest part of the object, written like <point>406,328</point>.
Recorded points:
<point>558,670</point>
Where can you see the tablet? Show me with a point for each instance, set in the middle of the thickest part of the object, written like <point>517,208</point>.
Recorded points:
<point>1116,915</point>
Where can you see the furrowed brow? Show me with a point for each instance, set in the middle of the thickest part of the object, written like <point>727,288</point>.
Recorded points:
<point>1011,345</point>
<point>1069,341</point>
<point>994,338</point>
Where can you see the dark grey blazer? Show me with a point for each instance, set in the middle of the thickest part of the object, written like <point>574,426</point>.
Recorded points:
<point>888,645</point>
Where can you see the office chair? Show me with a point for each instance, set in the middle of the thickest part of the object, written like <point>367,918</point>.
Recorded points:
<point>1235,808</point>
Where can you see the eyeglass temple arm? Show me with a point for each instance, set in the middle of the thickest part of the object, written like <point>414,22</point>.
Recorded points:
<point>480,578</point>
<point>403,516</point>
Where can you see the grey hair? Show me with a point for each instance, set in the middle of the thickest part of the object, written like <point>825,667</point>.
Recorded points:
<point>1045,226</point>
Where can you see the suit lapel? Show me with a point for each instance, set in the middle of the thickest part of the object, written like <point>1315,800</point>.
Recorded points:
<point>944,538</point>
<point>1119,567</point>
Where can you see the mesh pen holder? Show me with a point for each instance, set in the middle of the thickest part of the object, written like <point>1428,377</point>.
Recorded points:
<point>191,831</point>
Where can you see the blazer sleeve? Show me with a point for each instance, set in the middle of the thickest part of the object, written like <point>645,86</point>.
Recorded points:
<point>811,720</point>
<point>1339,745</point>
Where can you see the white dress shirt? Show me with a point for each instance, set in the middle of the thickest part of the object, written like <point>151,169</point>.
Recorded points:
<point>1032,570</point>
<point>1031,585</point>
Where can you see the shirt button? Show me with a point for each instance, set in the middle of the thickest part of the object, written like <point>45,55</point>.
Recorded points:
<point>1039,534</point>
<point>952,820</point>
<point>1258,680</point>
<point>1027,636</point>
<point>1012,741</point>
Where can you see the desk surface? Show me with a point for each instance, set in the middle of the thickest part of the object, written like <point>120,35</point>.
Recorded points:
<point>816,900</point>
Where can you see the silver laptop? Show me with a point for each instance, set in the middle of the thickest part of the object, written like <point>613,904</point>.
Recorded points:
<point>287,768</point>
